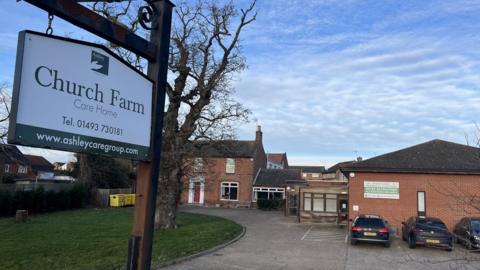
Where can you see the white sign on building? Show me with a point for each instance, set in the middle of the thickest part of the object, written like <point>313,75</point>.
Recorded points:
<point>77,96</point>
<point>381,190</point>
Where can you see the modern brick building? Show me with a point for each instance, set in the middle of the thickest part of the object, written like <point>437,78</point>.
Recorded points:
<point>222,172</point>
<point>437,178</point>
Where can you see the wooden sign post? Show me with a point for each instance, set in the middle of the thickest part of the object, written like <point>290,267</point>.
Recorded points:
<point>157,13</point>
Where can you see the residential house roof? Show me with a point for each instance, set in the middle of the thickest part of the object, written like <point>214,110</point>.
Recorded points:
<point>276,177</point>
<point>39,163</point>
<point>279,158</point>
<point>309,169</point>
<point>337,166</point>
<point>436,156</point>
<point>224,148</point>
<point>12,154</point>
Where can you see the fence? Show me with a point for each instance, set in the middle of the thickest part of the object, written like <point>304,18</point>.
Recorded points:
<point>32,186</point>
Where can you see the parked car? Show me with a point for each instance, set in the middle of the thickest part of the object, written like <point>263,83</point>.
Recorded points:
<point>370,228</point>
<point>427,231</point>
<point>467,232</point>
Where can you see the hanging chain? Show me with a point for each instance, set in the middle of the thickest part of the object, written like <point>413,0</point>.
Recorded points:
<point>49,30</point>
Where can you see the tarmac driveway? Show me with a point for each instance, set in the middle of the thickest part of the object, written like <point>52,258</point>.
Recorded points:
<point>273,241</point>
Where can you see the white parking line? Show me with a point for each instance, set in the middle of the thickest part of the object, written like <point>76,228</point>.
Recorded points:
<point>320,234</point>
<point>305,235</point>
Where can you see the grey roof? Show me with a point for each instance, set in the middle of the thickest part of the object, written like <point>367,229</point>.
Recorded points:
<point>436,156</point>
<point>276,177</point>
<point>309,169</point>
<point>337,166</point>
<point>224,148</point>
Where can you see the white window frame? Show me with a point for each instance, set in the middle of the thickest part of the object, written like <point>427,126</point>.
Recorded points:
<point>230,165</point>
<point>230,185</point>
<point>7,168</point>
<point>198,164</point>
<point>269,190</point>
<point>22,169</point>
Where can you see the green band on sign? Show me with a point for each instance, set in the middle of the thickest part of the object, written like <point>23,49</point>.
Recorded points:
<point>48,138</point>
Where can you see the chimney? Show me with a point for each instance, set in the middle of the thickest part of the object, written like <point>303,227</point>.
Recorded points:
<point>258,134</point>
<point>359,159</point>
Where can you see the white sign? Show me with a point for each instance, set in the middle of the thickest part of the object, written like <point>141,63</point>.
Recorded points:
<point>381,190</point>
<point>78,96</point>
<point>356,208</point>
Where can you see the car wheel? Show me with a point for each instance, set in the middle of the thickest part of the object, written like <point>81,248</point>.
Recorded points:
<point>468,245</point>
<point>411,242</point>
<point>353,242</point>
<point>387,244</point>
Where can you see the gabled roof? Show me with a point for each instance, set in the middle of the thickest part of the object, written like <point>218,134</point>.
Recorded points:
<point>224,148</point>
<point>276,177</point>
<point>39,163</point>
<point>337,166</point>
<point>12,154</point>
<point>308,169</point>
<point>436,156</point>
<point>277,158</point>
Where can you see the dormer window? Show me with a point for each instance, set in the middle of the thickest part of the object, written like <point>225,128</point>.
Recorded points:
<point>230,168</point>
<point>198,165</point>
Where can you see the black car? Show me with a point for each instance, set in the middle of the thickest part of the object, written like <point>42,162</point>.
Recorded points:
<point>427,231</point>
<point>467,232</point>
<point>370,228</point>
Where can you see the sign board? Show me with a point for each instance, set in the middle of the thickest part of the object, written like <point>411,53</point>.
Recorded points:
<point>78,96</point>
<point>381,190</point>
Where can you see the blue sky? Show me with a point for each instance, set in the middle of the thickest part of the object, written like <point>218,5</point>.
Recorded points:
<point>330,80</point>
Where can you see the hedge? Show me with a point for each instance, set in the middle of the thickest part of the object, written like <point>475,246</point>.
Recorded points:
<point>266,204</point>
<point>40,201</point>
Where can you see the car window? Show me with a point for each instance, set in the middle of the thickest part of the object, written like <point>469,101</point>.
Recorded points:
<point>475,226</point>
<point>430,224</point>
<point>370,222</point>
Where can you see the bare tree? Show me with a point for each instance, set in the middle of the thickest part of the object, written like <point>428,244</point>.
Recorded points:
<point>5,101</point>
<point>205,55</point>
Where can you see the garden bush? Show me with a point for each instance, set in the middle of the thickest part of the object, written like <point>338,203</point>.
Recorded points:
<point>266,204</point>
<point>39,200</point>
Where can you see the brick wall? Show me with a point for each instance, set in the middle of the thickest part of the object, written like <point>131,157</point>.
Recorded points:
<point>444,196</point>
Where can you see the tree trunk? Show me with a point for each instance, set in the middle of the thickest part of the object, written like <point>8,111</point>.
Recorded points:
<point>168,196</point>
<point>85,172</point>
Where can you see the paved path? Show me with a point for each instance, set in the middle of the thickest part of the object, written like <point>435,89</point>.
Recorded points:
<point>272,241</point>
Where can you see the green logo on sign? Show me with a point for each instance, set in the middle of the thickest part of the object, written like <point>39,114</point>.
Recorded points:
<point>99,62</point>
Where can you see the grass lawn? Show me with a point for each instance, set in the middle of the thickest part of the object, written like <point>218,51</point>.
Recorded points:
<point>98,239</point>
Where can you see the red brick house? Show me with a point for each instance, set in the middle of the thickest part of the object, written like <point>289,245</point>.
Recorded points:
<point>222,172</point>
<point>437,178</point>
<point>310,172</point>
<point>40,167</point>
<point>13,163</point>
<point>277,161</point>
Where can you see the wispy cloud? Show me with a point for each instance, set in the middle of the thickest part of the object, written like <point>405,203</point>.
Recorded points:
<point>375,91</point>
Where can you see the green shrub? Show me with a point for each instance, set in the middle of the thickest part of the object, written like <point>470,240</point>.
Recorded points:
<point>272,204</point>
<point>39,200</point>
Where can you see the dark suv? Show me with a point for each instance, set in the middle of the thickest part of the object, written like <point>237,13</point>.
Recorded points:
<point>427,231</point>
<point>467,232</point>
<point>370,228</point>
